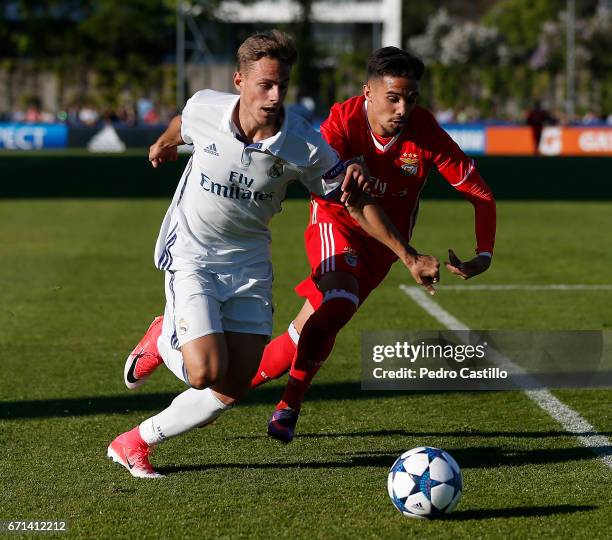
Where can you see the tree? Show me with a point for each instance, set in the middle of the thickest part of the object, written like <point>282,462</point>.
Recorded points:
<point>123,42</point>
<point>520,20</point>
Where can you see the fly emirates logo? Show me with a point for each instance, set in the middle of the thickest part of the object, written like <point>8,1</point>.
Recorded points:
<point>238,187</point>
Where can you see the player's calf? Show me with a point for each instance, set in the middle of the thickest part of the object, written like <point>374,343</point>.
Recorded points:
<point>315,345</point>
<point>277,357</point>
<point>245,351</point>
<point>189,410</point>
<point>320,330</point>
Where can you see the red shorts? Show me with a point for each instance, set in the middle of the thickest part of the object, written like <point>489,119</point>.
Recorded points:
<point>334,245</point>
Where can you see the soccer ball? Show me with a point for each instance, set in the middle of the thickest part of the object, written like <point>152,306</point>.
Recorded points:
<point>425,483</point>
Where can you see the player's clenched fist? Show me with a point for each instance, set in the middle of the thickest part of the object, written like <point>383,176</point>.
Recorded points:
<point>165,148</point>
<point>158,153</point>
<point>425,270</point>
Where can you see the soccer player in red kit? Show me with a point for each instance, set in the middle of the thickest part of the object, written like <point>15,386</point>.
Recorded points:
<point>398,142</point>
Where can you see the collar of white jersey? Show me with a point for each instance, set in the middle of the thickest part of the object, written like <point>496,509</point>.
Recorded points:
<point>381,147</point>
<point>271,144</point>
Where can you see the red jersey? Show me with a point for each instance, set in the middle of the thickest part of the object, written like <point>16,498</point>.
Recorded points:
<point>399,168</point>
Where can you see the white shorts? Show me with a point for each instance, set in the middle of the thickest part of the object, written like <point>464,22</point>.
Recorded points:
<point>201,302</point>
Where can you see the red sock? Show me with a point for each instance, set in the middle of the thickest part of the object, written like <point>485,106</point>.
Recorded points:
<point>276,359</point>
<point>315,345</point>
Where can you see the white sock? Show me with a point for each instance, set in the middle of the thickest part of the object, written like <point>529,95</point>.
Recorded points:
<point>172,358</point>
<point>188,410</point>
<point>293,333</point>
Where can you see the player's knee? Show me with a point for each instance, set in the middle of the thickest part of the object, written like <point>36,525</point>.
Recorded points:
<point>200,379</point>
<point>197,379</point>
<point>207,372</point>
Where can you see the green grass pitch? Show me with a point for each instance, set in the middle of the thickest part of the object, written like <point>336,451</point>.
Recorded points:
<point>79,288</point>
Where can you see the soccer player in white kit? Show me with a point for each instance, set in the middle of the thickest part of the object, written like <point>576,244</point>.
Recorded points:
<point>214,241</point>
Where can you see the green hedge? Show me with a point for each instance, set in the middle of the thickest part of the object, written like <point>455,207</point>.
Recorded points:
<point>57,175</point>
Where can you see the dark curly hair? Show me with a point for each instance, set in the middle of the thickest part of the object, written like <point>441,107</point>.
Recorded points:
<point>395,62</point>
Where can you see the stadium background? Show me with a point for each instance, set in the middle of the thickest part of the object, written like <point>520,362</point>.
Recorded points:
<point>86,85</point>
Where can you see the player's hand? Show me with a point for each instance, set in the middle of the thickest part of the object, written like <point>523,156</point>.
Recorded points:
<point>355,183</point>
<point>467,269</point>
<point>425,270</point>
<point>160,152</point>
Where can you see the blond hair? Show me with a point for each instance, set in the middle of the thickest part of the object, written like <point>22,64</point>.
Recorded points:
<point>273,44</point>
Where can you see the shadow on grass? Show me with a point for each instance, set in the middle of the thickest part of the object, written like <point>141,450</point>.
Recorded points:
<point>49,408</point>
<point>469,458</point>
<point>465,433</point>
<point>486,457</point>
<point>137,401</point>
<point>521,511</point>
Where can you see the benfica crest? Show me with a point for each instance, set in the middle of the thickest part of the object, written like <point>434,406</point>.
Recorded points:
<point>350,256</point>
<point>409,163</point>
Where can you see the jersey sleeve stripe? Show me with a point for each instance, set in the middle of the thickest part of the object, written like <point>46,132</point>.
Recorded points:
<point>335,171</point>
<point>467,174</point>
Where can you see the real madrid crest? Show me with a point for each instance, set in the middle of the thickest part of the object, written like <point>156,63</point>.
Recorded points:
<point>183,327</point>
<point>277,169</point>
<point>409,163</point>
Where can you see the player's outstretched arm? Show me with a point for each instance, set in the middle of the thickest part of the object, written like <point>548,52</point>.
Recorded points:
<point>460,172</point>
<point>425,269</point>
<point>467,269</point>
<point>165,148</point>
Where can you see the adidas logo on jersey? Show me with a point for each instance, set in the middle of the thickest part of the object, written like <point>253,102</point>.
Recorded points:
<point>212,149</point>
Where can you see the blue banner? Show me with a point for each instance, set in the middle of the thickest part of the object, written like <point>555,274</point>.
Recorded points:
<point>32,136</point>
<point>471,138</point>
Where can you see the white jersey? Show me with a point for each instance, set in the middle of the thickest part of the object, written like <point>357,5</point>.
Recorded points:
<point>229,190</point>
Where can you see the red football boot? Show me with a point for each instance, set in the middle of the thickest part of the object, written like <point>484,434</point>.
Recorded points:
<point>131,451</point>
<point>145,357</point>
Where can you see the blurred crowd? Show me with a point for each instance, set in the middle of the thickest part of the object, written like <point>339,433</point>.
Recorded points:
<point>143,113</point>
<point>146,113</point>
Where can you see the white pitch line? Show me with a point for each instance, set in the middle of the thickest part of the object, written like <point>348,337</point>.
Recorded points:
<point>522,287</point>
<point>569,419</point>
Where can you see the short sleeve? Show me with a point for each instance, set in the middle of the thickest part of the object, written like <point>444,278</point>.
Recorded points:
<point>186,121</point>
<point>188,115</point>
<point>324,174</point>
